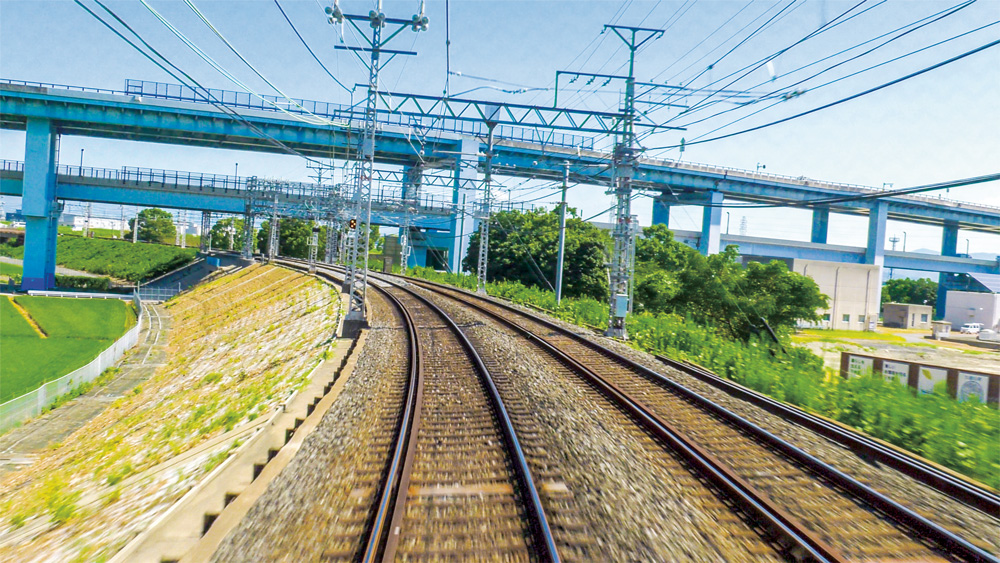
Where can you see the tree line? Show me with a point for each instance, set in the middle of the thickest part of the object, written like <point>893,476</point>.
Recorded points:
<point>670,277</point>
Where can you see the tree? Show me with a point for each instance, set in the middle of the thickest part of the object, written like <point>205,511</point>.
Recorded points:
<point>155,225</point>
<point>918,292</point>
<point>674,278</point>
<point>524,247</point>
<point>227,234</point>
<point>293,238</point>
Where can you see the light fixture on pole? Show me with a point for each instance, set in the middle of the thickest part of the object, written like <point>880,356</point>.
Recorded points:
<point>761,167</point>
<point>727,222</point>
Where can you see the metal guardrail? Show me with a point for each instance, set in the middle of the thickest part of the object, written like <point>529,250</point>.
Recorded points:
<point>236,186</point>
<point>31,404</point>
<point>857,188</point>
<point>350,116</point>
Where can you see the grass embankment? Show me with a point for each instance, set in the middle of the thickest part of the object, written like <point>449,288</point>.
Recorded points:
<point>10,270</point>
<point>238,346</point>
<point>962,436</point>
<point>76,331</point>
<point>115,258</point>
<point>837,336</point>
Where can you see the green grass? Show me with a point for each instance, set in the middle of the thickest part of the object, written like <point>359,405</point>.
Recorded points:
<point>822,335</point>
<point>115,258</point>
<point>10,269</point>
<point>78,330</point>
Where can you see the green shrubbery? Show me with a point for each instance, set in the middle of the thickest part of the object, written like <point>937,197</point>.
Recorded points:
<point>83,282</point>
<point>115,258</point>
<point>962,436</point>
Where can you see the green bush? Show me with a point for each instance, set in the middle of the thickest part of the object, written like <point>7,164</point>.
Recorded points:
<point>116,258</point>
<point>83,282</point>
<point>964,437</point>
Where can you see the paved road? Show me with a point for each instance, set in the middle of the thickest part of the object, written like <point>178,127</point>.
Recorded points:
<point>59,269</point>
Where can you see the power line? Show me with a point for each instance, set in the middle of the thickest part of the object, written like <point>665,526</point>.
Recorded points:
<point>204,92</point>
<point>845,77</point>
<point>842,100</point>
<point>308,48</point>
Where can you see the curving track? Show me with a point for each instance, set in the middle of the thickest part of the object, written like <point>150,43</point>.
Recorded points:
<point>459,485</point>
<point>825,504</point>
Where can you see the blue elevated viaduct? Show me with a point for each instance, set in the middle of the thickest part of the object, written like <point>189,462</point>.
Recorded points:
<point>46,111</point>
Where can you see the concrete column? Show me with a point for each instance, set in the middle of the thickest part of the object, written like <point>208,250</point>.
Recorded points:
<point>877,215</point>
<point>661,211</point>
<point>711,225</point>
<point>39,206</point>
<point>820,225</point>
<point>463,222</point>
<point>949,247</point>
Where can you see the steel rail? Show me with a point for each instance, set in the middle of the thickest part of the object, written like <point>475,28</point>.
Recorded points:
<point>919,469</point>
<point>924,527</point>
<point>799,541</point>
<point>380,541</point>
<point>544,539</point>
<point>383,540</point>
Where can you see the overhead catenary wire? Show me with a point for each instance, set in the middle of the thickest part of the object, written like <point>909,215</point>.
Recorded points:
<point>308,48</point>
<point>840,101</point>
<point>187,80</point>
<point>839,79</point>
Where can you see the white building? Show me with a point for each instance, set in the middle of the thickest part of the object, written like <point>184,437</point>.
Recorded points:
<point>855,292</point>
<point>973,307</point>
<point>79,222</point>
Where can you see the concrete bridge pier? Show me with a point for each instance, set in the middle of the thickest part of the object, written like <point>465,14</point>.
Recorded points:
<point>820,225</point>
<point>711,224</point>
<point>463,222</point>
<point>661,210</point>
<point>949,247</point>
<point>39,205</point>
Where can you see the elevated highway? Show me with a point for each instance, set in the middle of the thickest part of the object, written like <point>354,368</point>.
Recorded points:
<point>47,111</point>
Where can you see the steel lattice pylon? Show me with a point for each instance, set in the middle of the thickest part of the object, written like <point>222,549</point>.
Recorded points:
<point>356,280</point>
<point>484,219</point>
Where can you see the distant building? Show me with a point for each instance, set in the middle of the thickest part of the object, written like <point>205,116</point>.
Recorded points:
<point>981,304</point>
<point>79,222</point>
<point>906,315</point>
<point>854,291</point>
<point>14,216</point>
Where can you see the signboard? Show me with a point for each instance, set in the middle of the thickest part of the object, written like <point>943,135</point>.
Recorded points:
<point>929,377</point>
<point>859,365</point>
<point>898,372</point>
<point>958,383</point>
<point>972,385</point>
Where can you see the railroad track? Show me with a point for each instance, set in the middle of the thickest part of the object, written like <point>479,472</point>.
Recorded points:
<point>457,485</point>
<point>810,504</point>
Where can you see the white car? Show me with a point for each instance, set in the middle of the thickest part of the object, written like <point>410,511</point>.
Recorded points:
<point>971,328</point>
<point>989,335</point>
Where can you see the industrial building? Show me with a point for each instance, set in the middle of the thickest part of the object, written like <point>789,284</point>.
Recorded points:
<point>980,304</point>
<point>906,315</point>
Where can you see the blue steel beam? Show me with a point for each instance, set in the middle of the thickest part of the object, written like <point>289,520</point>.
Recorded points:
<point>75,188</point>
<point>115,116</point>
<point>775,248</point>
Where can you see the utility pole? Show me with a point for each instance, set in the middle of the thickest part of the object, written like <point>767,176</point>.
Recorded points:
<point>356,280</point>
<point>411,198</point>
<point>121,223</point>
<point>623,163</point>
<point>562,233</point>
<point>484,220</point>
<point>313,246</point>
<point>86,225</point>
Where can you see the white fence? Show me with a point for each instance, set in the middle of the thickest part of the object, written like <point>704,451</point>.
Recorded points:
<point>19,409</point>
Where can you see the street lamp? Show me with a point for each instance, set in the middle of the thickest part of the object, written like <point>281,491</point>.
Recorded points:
<point>967,248</point>
<point>237,174</point>
<point>727,222</point>
<point>904,241</point>
<point>761,167</point>
<point>81,162</point>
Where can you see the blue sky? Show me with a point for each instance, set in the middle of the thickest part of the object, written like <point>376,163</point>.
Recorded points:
<point>939,126</point>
